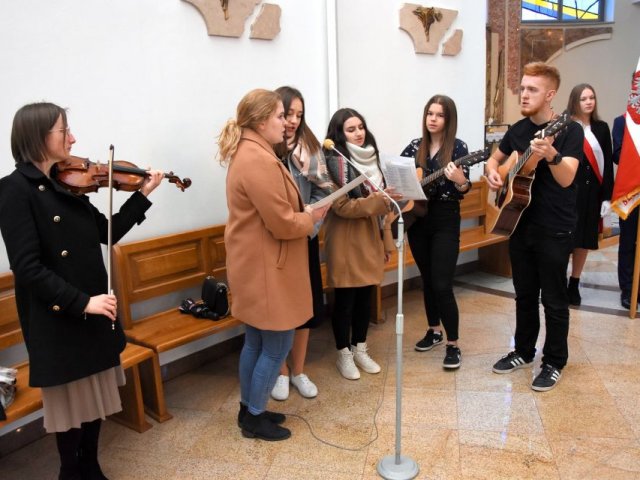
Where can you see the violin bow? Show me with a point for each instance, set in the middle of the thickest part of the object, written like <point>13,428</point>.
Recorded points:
<point>109,227</point>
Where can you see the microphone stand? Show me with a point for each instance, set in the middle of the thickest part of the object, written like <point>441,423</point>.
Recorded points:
<point>394,467</point>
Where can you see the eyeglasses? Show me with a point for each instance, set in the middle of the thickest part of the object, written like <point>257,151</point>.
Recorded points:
<point>66,130</point>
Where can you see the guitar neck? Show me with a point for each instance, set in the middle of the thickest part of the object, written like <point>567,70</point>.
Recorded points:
<point>438,173</point>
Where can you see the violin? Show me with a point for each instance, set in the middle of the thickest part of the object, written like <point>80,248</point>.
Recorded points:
<point>81,175</point>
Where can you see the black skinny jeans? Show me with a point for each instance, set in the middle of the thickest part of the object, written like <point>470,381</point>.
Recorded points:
<point>351,314</point>
<point>539,260</point>
<point>435,241</point>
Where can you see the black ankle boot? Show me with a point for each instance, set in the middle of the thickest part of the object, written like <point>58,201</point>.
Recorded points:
<point>68,444</point>
<point>88,452</point>
<point>259,426</point>
<point>573,291</point>
<point>275,417</point>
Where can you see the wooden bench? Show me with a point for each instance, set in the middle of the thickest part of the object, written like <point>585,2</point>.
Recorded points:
<point>133,358</point>
<point>168,266</point>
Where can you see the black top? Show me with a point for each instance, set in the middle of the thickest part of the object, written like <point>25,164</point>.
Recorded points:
<point>53,242</point>
<point>441,189</point>
<point>552,206</point>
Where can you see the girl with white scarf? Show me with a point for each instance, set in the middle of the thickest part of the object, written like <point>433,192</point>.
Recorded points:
<point>354,248</point>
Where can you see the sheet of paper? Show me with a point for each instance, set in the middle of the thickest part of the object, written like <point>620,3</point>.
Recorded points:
<point>340,192</point>
<point>400,173</point>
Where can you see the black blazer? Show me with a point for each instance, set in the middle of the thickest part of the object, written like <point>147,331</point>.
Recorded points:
<point>53,241</point>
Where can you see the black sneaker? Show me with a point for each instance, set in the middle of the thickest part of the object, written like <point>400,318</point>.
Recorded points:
<point>430,340</point>
<point>452,358</point>
<point>546,379</point>
<point>510,362</point>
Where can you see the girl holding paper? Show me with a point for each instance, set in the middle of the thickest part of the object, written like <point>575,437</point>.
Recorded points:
<point>434,239</point>
<point>302,155</point>
<point>353,238</point>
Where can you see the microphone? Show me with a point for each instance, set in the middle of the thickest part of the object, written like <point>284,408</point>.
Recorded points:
<point>329,144</point>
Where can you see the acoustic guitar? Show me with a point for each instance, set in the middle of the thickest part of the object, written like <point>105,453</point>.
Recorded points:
<point>506,205</point>
<point>466,161</point>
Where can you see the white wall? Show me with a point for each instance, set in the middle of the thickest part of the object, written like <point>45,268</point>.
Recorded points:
<point>389,84</point>
<point>607,65</point>
<point>145,76</point>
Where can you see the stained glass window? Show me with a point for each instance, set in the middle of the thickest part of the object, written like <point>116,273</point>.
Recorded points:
<point>563,10</point>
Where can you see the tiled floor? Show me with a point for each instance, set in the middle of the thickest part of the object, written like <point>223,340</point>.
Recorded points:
<point>464,424</point>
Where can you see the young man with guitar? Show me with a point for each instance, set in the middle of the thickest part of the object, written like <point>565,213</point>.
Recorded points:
<point>541,241</point>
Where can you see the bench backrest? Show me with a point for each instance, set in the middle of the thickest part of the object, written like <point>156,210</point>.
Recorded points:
<point>10,333</point>
<point>474,203</point>
<point>170,263</point>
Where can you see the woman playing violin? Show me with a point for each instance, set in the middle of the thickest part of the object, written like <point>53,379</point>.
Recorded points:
<point>68,321</point>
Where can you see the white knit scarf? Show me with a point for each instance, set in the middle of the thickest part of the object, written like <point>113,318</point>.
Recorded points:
<point>367,161</point>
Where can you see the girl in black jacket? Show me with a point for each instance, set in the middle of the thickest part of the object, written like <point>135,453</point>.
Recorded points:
<point>69,324</point>
<point>594,179</point>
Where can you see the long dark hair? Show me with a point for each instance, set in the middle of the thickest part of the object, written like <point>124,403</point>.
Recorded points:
<point>31,125</point>
<point>304,133</point>
<point>574,101</point>
<point>449,133</point>
<point>335,131</point>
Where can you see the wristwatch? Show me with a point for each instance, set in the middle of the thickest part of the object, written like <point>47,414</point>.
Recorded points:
<point>556,160</point>
<point>464,186</point>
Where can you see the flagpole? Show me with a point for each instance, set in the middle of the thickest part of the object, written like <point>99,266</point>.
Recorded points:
<point>636,278</point>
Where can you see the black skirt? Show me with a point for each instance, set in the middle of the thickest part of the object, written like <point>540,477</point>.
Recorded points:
<point>588,209</point>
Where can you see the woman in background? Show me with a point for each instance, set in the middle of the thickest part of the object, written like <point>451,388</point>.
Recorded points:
<point>353,239</point>
<point>267,257</point>
<point>69,324</point>
<point>302,155</point>
<point>594,179</point>
<point>434,239</point>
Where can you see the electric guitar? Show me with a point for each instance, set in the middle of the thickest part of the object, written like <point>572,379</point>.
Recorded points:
<point>466,161</point>
<point>505,206</point>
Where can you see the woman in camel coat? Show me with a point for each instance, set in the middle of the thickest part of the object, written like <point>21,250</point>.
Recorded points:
<point>267,258</point>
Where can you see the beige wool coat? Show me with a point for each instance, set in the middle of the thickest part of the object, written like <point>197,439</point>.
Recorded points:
<point>353,243</point>
<point>266,239</point>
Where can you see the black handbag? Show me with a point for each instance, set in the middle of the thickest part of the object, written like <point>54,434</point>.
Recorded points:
<point>215,296</point>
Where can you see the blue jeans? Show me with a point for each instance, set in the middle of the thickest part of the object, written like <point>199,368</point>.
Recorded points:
<point>262,356</point>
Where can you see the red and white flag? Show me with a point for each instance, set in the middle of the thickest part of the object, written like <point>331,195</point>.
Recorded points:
<point>626,190</point>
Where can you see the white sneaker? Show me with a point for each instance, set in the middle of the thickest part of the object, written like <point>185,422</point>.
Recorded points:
<point>305,386</point>
<point>363,360</point>
<point>346,366</point>
<point>281,388</point>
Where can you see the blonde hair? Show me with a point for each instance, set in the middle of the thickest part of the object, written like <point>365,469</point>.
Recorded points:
<point>254,108</point>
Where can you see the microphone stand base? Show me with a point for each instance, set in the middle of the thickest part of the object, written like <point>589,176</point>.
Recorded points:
<point>405,470</point>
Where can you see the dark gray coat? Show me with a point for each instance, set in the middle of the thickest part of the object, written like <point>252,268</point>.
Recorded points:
<point>53,241</point>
